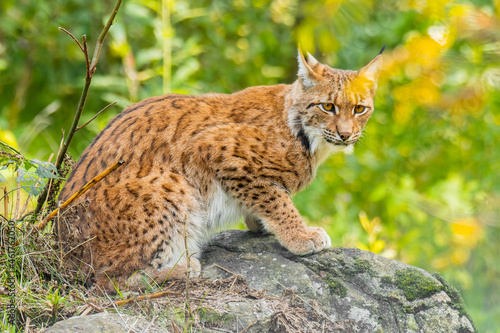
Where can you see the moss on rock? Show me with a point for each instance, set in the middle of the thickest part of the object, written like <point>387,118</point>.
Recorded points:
<point>336,288</point>
<point>452,292</point>
<point>363,266</point>
<point>211,316</point>
<point>415,285</point>
<point>386,281</point>
<point>457,302</point>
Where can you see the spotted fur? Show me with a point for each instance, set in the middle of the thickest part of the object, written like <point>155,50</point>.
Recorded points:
<point>195,164</point>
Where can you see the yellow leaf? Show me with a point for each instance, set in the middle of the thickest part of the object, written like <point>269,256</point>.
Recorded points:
<point>9,138</point>
<point>365,223</point>
<point>362,246</point>
<point>378,246</point>
<point>465,226</point>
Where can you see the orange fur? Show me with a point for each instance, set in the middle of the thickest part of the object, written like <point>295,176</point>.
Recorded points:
<point>193,164</point>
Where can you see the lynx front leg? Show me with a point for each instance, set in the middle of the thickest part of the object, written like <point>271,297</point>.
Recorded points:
<point>279,216</point>
<point>254,224</point>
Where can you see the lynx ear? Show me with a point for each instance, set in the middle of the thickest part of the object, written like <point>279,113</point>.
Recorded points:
<point>306,74</point>
<point>370,73</point>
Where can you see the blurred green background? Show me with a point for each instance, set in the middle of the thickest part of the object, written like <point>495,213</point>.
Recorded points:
<point>422,186</point>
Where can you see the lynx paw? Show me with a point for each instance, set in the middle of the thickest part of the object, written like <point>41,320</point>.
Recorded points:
<point>179,271</point>
<point>195,268</point>
<point>313,240</point>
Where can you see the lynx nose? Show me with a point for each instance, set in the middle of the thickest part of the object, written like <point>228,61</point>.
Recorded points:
<point>344,135</point>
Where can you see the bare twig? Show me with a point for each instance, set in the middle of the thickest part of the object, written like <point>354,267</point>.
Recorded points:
<point>247,327</point>
<point>234,281</point>
<point>18,199</point>
<point>5,203</point>
<point>90,69</point>
<point>74,38</point>
<point>150,296</point>
<point>25,207</point>
<point>168,32</point>
<point>227,270</point>
<point>98,113</point>
<point>86,311</point>
<point>174,326</point>
<point>95,307</point>
<point>48,186</point>
<point>90,72</point>
<point>86,52</point>
<point>27,325</point>
<point>88,240</point>
<point>84,189</point>
<point>9,192</point>
<point>59,238</point>
<point>315,308</point>
<point>61,143</point>
<point>121,317</point>
<point>100,40</point>
<point>236,276</point>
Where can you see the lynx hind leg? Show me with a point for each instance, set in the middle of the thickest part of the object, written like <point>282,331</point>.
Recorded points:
<point>149,277</point>
<point>145,236</point>
<point>142,280</point>
<point>254,224</point>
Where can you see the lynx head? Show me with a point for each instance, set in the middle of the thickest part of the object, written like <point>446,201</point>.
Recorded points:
<point>331,106</point>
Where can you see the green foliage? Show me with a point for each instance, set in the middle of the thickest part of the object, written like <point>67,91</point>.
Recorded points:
<point>55,300</point>
<point>31,174</point>
<point>425,174</point>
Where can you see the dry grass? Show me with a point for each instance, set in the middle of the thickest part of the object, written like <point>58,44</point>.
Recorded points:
<point>46,292</point>
<point>45,295</point>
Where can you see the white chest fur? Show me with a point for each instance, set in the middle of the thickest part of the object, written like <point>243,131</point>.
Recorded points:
<point>223,211</point>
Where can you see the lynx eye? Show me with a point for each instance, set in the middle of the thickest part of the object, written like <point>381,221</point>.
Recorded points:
<point>360,109</point>
<point>328,107</point>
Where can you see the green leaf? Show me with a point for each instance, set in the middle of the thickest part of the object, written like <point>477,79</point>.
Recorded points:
<point>45,169</point>
<point>7,148</point>
<point>33,189</point>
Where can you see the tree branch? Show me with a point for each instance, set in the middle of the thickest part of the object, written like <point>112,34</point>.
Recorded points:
<point>90,69</point>
<point>98,113</point>
<point>74,38</point>
<point>100,40</point>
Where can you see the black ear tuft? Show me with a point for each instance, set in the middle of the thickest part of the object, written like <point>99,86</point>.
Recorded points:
<point>383,48</point>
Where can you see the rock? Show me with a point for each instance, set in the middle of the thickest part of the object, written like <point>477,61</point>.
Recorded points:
<point>349,290</point>
<point>104,323</point>
<point>255,285</point>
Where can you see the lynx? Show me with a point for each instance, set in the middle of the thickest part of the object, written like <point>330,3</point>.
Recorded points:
<point>196,164</point>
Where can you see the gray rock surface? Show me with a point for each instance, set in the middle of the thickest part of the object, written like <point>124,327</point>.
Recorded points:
<point>337,290</point>
<point>349,290</point>
<point>104,323</point>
